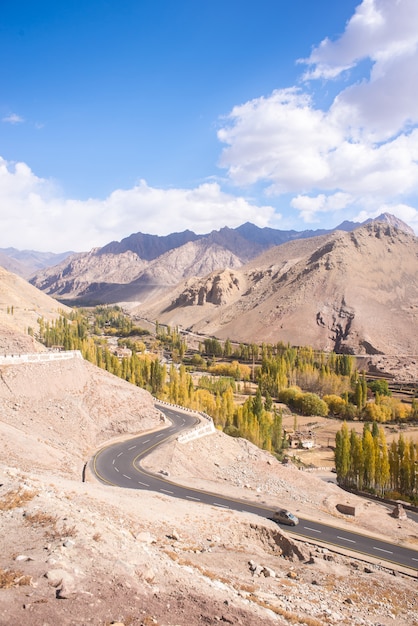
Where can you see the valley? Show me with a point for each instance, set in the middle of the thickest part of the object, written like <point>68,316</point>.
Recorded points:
<point>75,547</point>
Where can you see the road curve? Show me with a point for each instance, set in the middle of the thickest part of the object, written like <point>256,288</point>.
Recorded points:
<point>118,464</point>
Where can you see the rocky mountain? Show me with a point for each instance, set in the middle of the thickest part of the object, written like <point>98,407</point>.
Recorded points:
<point>142,266</point>
<point>346,291</point>
<point>27,262</point>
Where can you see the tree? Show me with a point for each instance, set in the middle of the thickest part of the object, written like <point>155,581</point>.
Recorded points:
<point>227,349</point>
<point>342,454</point>
<point>380,386</point>
<point>311,404</point>
<point>357,459</point>
<point>369,466</point>
<point>277,431</point>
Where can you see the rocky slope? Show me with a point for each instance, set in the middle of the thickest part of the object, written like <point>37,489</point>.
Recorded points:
<point>78,552</point>
<point>144,265</point>
<point>75,552</point>
<point>21,305</point>
<point>347,291</point>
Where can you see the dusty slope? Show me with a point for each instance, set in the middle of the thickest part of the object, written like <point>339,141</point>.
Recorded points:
<point>84,553</point>
<point>345,291</point>
<point>21,305</point>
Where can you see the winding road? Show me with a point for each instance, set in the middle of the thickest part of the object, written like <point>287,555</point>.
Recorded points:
<point>118,464</point>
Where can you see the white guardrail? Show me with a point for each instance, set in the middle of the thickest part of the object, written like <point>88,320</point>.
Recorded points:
<point>39,357</point>
<point>195,433</point>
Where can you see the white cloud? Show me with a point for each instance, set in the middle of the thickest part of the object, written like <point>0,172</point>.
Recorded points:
<point>310,206</point>
<point>381,30</point>
<point>34,216</point>
<point>13,118</point>
<point>281,139</point>
<point>364,146</point>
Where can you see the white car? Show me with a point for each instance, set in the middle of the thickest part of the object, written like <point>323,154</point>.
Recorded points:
<point>281,516</point>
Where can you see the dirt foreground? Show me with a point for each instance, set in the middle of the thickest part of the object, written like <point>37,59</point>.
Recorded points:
<point>78,553</point>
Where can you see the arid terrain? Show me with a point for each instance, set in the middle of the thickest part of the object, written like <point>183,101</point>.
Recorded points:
<point>347,291</point>
<point>78,552</point>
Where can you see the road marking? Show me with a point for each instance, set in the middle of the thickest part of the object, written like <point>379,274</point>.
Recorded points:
<point>382,550</point>
<point>120,454</point>
<point>127,476</point>
<point>345,539</point>
<point>314,530</point>
<point>160,435</point>
<point>132,448</point>
<point>166,491</point>
<point>146,441</point>
<point>113,462</point>
<point>191,498</point>
<point>116,469</point>
<point>414,559</point>
<point>145,484</point>
<point>224,506</point>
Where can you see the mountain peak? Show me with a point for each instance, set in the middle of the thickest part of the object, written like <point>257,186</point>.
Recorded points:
<point>393,221</point>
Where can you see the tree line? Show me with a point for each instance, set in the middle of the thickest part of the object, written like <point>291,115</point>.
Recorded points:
<point>367,463</point>
<point>330,382</point>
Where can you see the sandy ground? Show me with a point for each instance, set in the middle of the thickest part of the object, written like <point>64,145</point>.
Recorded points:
<point>78,552</point>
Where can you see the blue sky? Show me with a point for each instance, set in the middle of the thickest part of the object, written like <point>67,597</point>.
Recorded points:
<point>122,116</point>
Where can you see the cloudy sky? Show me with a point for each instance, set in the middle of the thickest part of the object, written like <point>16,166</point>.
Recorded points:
<point>160,115</point>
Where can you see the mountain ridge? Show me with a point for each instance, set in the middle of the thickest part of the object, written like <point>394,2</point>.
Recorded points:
<point>353,292</point>
<point>140,264</point>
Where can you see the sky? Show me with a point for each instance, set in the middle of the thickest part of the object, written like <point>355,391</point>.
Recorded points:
<point>156,116</point>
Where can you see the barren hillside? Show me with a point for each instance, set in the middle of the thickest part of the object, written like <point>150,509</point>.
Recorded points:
<point>78,553</point>
<point>355,292</point>
<point>141,266</point>
<point>85,553</point>
<point>21,305</point>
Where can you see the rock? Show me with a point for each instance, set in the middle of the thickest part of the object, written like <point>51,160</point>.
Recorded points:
<point>146,537</point>
<point>23,557</point>
<point>399,512</point>
<point>269,573</point>
<point>146,573</point>
<point>63,581</point>
<point>174,535</point>
<point>66,591</point>
<point>292,575</point>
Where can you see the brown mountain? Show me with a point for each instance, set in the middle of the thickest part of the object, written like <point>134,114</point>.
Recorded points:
<point>346,291</point>
<point>141,266</point>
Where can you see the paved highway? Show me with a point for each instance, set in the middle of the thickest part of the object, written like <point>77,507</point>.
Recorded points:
<point>118,464</point>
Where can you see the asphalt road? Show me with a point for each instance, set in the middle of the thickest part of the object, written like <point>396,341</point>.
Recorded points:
<point>118,464</point>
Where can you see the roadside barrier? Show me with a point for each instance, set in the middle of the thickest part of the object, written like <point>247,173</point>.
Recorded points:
<point>199,431</point>
<point>39,357</point>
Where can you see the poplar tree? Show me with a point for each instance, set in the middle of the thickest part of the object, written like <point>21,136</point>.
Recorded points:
<point>342,454</point>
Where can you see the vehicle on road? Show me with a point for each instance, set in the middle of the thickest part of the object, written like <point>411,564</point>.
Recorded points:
<point>281,516</point>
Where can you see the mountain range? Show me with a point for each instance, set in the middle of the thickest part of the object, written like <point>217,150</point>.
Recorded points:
<point>354,292</point>
<point>353,289</point>
<point>142,266</point>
